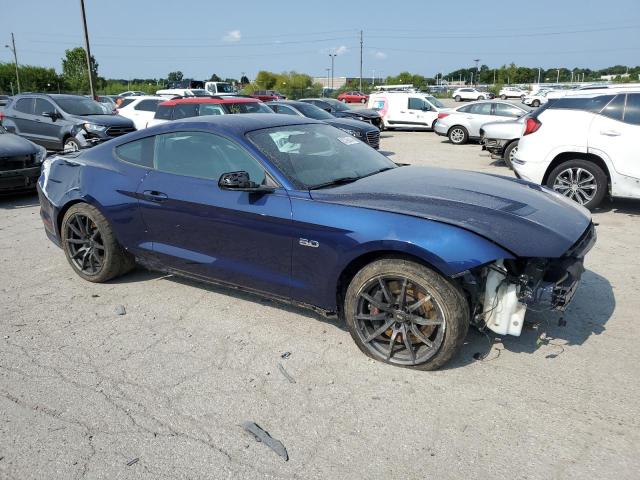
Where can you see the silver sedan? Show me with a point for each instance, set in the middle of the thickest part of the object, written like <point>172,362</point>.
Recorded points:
<point>463,123</point>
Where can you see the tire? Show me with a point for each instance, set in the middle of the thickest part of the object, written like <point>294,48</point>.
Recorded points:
<point>433,124</point>
<point>508,153</point>
<point>442,313</point>
<point>363,101</point>
<point>344,100</point>
<point>481,98</point>
<point>71,144</point>
<point>457,98</point>
<point>503,97</point>
<point>586,184</point>
<point>458,135</point>
<point>81,221</point>
<point>535,103</point>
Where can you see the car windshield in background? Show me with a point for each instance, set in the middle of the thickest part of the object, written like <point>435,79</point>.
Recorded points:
<point>337,105</point>
<point>200,93</point>
<point>314,112</point>
<point>313,156</point>
<point>247,107</point>
<point>225,88</point>
<point>81,106</point>
<point>434,101</point>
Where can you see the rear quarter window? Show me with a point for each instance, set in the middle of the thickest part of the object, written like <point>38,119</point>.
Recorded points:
<point>138,152</point>
<point>147,105</point>
<point>163,112</point>
<point>589,104</point>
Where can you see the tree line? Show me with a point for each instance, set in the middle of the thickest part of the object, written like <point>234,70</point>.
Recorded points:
<point>74,78</point>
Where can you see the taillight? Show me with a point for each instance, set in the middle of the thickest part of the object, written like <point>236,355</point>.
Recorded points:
<point>531,125</point>
<point>1,118</point>
<point>442,115</point>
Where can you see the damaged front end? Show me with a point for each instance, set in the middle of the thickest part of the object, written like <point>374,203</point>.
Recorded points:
<point>501,292</point>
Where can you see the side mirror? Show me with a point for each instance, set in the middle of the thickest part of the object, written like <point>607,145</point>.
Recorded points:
<point>240,182</point>
<point>52,115</point>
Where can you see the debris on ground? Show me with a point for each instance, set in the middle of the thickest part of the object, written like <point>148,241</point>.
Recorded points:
<point>120,310</point>
<point>285,355</point>
<point>263,436</point>
<point>133,461</point>
<point>286,374</point>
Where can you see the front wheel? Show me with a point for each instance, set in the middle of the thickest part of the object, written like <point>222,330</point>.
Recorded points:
<point>405,314</point>
<point>344,100</point>
<point>458,135</point>
<point>503,97</point>
<point>363,101</point>
<point>535,103</point>
<point>580,180</point>
<point>481,98</point>
<point>71,145</point>
<point>90,245</point>
<point>457,98</point>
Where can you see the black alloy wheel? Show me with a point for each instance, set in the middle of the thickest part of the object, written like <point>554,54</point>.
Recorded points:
<point>85,245</point>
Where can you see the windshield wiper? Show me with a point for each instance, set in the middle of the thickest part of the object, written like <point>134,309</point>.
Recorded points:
<point>337,181</point>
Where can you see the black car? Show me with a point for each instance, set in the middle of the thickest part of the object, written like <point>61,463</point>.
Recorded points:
<point>340,110</point>
<point>62,122</point>
<point>4,99</point>
<point>361,130</point>
<point>20,162</point>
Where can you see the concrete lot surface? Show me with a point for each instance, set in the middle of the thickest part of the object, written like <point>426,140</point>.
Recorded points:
<point>160,392</point>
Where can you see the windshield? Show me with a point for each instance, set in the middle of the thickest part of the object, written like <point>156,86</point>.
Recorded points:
<point>435,102</point>
<point>80,106</point>
<point>247,107</point>
<point>336,104</point>
<point>312,111</point>
<point>225,88</point>
<point>315,155</point>
<point>196,92</point>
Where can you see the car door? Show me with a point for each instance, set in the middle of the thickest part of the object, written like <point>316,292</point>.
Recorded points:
<point>143,112</point>
<point>21,115</point>
<point>198,228</point>
<point>416,113</point>
<point>477,115</point>
<point>46,130</point>
<point>615,133</point>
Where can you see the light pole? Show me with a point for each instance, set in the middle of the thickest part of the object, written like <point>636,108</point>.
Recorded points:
<point>477,60</point>
<point>15,58</point>
<point>328,70</point>
<point>558,77</point>
<point>538,75</point>
<point>87,51</point>
<point>333,56</point>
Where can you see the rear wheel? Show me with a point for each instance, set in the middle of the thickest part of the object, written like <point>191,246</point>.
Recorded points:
<point>580,180</point>
<point>481,98</point>
<point>363,101</point>
<point>457,98</point>
<point>405,314</point>
<point>503,97</point>
<point>509,153</point>
<point>458,135</point>
<point>535,103</point>
<point>90,245</point>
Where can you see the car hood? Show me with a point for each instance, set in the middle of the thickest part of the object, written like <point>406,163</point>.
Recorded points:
<point>361,112</point>
<point>350,123</point>
<point>524,218</point>
<point>106,120</point>
<point>12,145</point>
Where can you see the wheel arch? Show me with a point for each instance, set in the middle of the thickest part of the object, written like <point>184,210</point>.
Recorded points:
<point>566,156</point>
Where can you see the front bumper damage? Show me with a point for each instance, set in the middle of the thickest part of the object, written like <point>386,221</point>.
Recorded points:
<point>503,291</point>
<point>494,146</point>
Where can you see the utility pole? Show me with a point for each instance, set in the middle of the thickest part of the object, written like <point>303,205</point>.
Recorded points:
<point>361,60</point>
<point>538,75</point>
<point>15,58</point>
<point>494,76</point>
<point>333,56</point>
<point>328,70</point>
<point>477,60</point>
<point>558,77</point>
<point>87,51</point>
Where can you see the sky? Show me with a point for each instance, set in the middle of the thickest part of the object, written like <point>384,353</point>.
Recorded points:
<point>148,39</point>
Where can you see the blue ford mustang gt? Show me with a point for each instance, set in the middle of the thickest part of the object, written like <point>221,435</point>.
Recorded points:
<point>298,210</point>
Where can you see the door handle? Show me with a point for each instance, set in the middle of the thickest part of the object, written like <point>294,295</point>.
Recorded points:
<point>402,111</point>
<point>610,133</point>
<point>155,196</point>
<point>412,113</point>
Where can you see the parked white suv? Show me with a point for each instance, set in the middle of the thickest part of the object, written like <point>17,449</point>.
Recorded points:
<point>469,94</point>
<point>512,92</point>
<point>140,109</point>
<point>584,146</point>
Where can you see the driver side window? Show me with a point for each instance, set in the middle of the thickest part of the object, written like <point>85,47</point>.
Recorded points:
<point>43,106</point>
<point>203,155</point>
<point>416,104</point>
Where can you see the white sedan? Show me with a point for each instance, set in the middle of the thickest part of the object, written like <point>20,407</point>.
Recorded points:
<point>463,123</point>
<point>140,109</point>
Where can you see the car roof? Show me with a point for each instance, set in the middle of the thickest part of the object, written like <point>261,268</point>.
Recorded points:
<point>179,101</point>
<point>293,103</point>
<point>144,97</point>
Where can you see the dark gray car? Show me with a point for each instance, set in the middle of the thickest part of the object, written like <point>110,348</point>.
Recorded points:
<point>20,162</point>
<point>340,110</point>
<point>62,122</point>
<point>361,130</point>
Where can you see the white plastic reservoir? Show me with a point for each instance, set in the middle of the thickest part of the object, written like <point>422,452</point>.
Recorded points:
<point>504,314</point>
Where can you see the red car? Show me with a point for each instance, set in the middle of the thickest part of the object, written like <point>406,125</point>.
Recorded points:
<point>353,97</point>
<point>268,95</point>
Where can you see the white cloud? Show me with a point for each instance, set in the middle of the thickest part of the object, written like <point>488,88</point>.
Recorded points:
<point>341,50</point>
<point>380,55</point>
<point>232,36</point>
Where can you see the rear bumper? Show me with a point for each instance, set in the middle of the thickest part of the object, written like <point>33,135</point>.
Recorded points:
<point>19,180</point>
<point>494,146</point>
<point>440,129</point>
<point>49,215</point>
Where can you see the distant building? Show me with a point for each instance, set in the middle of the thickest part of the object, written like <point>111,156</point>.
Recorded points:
<point>608,78</point>
<point>339,82</point>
